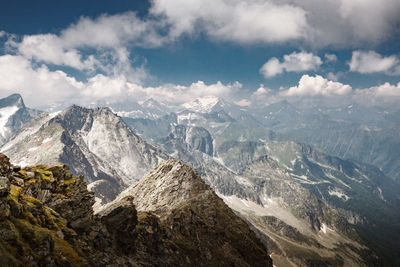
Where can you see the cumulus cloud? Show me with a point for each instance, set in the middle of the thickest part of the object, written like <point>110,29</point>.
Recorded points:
<point>91,45</point>
<point>233,20</point>
<point>349,22</point>
<point>318,23</point>
<point>39,86</point>
<point>294,62</point>
<point>43,88</point>
<point>370,62</point>
<point>382,95</point>
<point>317,86</point>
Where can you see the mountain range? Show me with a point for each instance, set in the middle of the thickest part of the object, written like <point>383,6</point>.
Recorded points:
<point>306,204</point>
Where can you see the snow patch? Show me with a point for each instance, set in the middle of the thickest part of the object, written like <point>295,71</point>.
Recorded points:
<point>202,104</point>
<point>32,149</point>
<point>22,163</point>
<point>48,139</point>
<point>323,228</point>
<point>5,114</point>
<point>338,193</point>
<point>52,115</point>
<point>6,147</point>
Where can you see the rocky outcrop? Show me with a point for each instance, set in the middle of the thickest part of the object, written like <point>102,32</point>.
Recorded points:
<point>46,219</point>
<point>196,220</point>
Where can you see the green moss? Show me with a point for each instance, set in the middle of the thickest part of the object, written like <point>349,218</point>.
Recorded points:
<point>70,181</point>
<point>15,191</point>
<point>31,181</point>
<point>64,251</point>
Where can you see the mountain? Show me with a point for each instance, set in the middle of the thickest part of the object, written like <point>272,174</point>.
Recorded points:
<point>150,108</point>
<point>205,104</point>
<point>364,134</point>
<point>46,219</point>
<point>13,115</point>
<point>95,143</point>
<point>196,218</point>
<point>364,195</point>
<point>301,201</point>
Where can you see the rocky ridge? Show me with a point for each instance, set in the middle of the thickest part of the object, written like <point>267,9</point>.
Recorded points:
<point>95,143</point>
<point>46,219</point>
<point>196,217</point>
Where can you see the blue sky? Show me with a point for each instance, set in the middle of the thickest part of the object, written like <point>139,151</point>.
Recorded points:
<point>87,51</point>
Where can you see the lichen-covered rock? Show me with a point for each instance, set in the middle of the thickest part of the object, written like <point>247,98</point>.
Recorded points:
<point>46,219</point>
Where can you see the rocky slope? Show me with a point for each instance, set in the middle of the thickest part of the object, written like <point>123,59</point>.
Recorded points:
<point>196,218</point>
<point>94,143</point>
<point>13,115</point>
<point>46,219</point>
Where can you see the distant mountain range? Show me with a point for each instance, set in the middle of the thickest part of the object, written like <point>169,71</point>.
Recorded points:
<point>309,206</point>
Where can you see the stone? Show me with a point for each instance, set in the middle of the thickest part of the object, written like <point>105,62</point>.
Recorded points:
<point>4,187</point>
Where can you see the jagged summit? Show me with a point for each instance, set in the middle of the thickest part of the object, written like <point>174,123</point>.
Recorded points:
<point>13,114</point>
<point>12,100</point>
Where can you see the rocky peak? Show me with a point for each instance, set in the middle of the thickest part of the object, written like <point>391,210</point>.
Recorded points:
<point>195,218</point>
<point>166,187</point>
<point>12,100</point>
<point>13,114</point>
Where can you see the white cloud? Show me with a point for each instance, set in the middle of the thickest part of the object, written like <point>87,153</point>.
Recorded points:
<point>317,86</point>
<point>382,95</point>
<point>49,48</point>
<point>249,21</point>
<point>92,45</point>
<point>384,90</point>
<point>318,23</point>
<point>43,88</point>
<point>330,57</point>
<point>243,103</point>
<point>262,91</point>
<point>39,86</point>
<point>294,62</point>
<point>370,20</point>
<point>370,62</point>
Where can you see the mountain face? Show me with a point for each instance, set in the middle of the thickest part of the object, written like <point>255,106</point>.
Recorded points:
<point>196,218</point>
<point>94,143</point>
<point>46,219</point>
<point>365,134</point>
<point>13,114</point>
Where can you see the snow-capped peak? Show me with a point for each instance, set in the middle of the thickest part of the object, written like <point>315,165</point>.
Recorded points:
<point>202,104</point>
